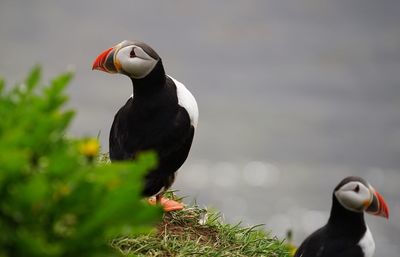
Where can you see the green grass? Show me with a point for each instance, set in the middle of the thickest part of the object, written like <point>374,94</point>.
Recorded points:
<point>196,231</point>
<point>200,232</point>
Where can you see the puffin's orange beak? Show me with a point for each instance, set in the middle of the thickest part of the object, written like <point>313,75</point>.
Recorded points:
<point>105,61</point>
<point>378,206</point>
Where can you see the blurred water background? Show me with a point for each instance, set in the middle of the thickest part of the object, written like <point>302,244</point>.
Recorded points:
<point>293,95</point>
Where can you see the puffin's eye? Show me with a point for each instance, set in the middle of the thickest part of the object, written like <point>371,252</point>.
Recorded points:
<point>357,189</point>
<point>132,54</point>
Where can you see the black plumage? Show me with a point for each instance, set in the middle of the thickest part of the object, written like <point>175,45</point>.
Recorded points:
<point>339,237</point>
<point>153,120</point>
<point>160,116</point>
<point>346,233</point>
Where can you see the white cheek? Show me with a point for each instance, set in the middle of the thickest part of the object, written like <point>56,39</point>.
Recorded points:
<point>135,67</point>
<point>138,68</point>
<point>351,200</point>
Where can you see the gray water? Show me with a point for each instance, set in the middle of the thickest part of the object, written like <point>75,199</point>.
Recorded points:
<point>293,95</point>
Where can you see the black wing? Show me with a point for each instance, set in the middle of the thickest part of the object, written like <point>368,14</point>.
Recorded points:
<point>160,125</point>
<point>323,244</point>
<point>313,245</point>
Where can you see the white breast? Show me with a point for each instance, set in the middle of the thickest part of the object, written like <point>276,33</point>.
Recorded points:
<point>187,101</point>
<point>367,244</point>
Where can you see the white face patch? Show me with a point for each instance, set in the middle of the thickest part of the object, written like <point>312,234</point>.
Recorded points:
<point>354,196</point>
<point>187,101</point>
<point>135,61</point>
<point>367,244</point>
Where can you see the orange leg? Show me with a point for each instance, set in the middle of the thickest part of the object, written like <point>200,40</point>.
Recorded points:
<point>167,204</point>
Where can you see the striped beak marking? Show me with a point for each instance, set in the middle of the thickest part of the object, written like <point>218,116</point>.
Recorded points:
<point>106,61</point>
<point>378,206</point>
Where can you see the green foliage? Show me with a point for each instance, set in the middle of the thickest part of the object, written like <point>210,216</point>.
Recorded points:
<point>55,200</point>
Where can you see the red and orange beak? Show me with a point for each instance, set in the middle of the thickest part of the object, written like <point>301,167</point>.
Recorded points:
<point>105,61</point>
<point>378,206</point>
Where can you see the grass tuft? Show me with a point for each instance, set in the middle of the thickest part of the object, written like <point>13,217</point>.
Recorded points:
<point>199,232</point>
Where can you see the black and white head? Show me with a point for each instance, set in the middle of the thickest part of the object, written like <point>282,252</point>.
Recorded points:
<point>132,58</point>
<point>357,195</point>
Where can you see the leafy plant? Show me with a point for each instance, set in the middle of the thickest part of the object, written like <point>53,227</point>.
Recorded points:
<point>55,199</point>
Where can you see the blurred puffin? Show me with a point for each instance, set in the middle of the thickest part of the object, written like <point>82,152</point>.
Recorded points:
<point>161,115</point>
<point>346,234</point>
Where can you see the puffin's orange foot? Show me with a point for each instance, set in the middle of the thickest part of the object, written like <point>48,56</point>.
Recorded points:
<point>167,204</point>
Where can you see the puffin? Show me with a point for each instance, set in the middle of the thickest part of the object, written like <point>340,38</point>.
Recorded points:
<point>346,234</point>
<point>161,115</point>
